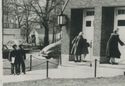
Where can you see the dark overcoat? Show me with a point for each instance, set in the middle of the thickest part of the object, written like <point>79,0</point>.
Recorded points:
<point>112,49</point>
<point>80,46</point>
<point>21,56</point>
<point>85,48</point>
<point>13,54</point>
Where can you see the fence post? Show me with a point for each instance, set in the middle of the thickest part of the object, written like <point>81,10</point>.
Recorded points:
<point>47,69</point>
<point>91,53</point>
<point>91,64</point>
<point>95,70</point>
<point>60,60</point>
<point>30,62</point>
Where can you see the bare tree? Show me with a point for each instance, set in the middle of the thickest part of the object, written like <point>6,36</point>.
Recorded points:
<point>16,11</point>
<point>27,21</point>
<point>44,10</point>
<point>28,12</point>
<point>23,14</point>
<point>9,11</point>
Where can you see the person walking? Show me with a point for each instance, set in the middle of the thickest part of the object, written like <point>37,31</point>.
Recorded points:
<point>12,57</point>
<point>21,58</point>
<point>77,48</point>
<point>112,50</point>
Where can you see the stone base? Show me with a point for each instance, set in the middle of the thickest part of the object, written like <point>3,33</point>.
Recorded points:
<point>104,60</point>
<point>65,59</point>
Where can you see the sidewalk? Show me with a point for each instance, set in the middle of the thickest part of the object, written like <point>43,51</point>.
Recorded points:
<point>38,63</point>
<point>73,70</point>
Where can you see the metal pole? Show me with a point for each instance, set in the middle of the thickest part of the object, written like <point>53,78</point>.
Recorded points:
<point>64,6</point>
<point>60,61</point>
<point>30,62</point>
<point>91,53</point>
<point>95,68</point>
<point>47,69</point>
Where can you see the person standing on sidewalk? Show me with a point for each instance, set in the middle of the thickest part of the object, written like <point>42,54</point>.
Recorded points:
<point>12,57</point>
<point>112,50</point>
<point>22,58</point>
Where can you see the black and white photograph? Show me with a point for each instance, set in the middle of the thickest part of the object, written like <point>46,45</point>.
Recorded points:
<point>63,43</point>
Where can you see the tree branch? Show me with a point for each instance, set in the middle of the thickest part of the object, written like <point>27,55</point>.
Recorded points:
<point>53,7</point>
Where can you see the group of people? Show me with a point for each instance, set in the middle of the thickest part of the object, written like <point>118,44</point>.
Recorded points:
<point>17,58</point>
<point>79,47</point>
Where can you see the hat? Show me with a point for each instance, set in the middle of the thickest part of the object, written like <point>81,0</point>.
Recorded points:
<point>14,45</point>
<point>80,34</point>
<point>115,29</point>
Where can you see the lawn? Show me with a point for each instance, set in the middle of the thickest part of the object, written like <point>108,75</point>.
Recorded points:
<point>113,81</point>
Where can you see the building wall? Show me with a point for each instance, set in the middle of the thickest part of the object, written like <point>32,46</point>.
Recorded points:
<point>40,37</point>
<point>101,26</point>
<point>94,3</point>
<point>11,34</point>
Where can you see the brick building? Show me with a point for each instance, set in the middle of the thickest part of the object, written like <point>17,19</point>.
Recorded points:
<point>97,19</point>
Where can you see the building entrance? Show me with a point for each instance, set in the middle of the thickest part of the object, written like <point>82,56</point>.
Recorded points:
<point>88,28</point>
<point>120,23</point>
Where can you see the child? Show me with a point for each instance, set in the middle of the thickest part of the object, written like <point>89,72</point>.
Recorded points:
<point>85,48</point>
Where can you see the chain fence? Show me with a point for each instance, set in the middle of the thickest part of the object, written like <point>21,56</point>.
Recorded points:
<point>94,63</point>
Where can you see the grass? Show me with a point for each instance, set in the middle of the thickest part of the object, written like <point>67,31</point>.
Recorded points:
<point>113,81</point>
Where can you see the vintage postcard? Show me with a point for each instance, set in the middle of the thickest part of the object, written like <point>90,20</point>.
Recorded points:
<point>63,43</point>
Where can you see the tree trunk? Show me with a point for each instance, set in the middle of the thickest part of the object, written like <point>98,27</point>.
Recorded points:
<point>46,37</point>
<point>27,35</point>
<point>27,30</point>
<point>27,39</point>
<point>53,38</point>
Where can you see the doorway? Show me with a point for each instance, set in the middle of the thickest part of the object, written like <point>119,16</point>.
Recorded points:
<point>88,29</point>
<point>119,22</point>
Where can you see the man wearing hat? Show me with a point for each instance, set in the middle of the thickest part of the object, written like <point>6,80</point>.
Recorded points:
<point>21,58</point>
<point>12,57</point>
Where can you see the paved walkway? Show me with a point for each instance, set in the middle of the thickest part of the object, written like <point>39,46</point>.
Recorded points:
<point>71,70</point>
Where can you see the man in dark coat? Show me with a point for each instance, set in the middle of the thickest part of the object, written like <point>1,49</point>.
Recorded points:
<point>12,57</point>
<point>112,50</point>
<point>21,58</point>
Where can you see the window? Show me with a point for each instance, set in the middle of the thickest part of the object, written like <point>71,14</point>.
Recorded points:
<point>6,25</point>
<point>89,13</point>
<point>121,22</point>
<point>14,25</point>
<point>121,11</point>
<point>88,23</point>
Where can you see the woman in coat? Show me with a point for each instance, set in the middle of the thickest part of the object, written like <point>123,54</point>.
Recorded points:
<point>112,50</point>
<point>77,48</point>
